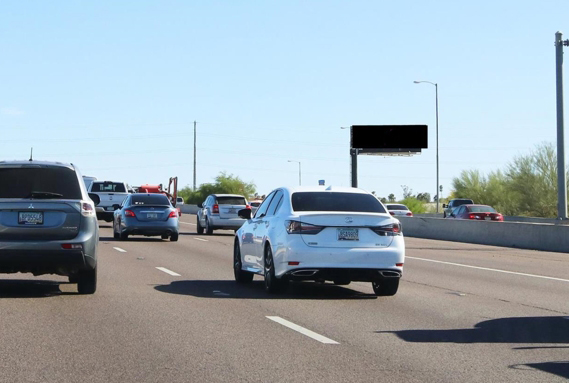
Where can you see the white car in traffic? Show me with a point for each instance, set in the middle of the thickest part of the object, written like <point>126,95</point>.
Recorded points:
<point>398,209</point>
<point>311,233</point>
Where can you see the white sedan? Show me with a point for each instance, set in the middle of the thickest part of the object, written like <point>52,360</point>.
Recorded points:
<point>398,209</point>
<point>316,234</point>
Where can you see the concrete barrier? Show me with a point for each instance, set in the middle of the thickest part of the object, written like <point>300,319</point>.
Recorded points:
<point>534,236</point>
<point>189,209</point>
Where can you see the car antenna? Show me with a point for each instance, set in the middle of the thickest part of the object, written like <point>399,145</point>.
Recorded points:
<point>32,154</point>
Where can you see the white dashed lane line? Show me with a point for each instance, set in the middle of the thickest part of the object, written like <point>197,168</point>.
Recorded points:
<point>489,269</point>
<point>119,249</point>
<point>168,271</point>
<point>188,223</point>
<point>302,330</point>
<point>201,239</point>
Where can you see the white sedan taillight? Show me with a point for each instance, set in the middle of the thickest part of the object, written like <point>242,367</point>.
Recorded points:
<point>87,209</point>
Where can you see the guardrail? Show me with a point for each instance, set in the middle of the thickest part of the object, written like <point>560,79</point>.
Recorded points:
<point>523,235</point>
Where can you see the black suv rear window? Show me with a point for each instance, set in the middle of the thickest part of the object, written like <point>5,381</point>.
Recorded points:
<point>44,182</point>
<point>230,201</point>
<point>145,199</point>
<point>110,187</point>
<point>336,201</point>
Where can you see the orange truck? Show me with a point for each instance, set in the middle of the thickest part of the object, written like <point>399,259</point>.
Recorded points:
<point>171,192</point>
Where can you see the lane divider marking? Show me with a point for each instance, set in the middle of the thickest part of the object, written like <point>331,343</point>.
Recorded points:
<point>168,271</point>
<point>221,293</point>
<point>187,223</point>
<point>119,249</point>
<point>489,269</point>
<point>302,330</point>
<point>201,239</point>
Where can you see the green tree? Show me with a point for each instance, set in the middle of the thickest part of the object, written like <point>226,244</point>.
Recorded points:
<point>224,183</point>
<point>391,197</point>
<point>528,185</point>
<point>425,197</point>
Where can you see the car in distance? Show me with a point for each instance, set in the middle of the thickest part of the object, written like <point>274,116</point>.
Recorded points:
<point>110,193</point>
<point>453,204</point>
<point>255,205</point>
<point>146,214</point>
<point>219,211</point>
<point>476,212</point>
<point>47,222</point>
<point>398,209</point>
<point>315,234</point>
<point>179,201</point>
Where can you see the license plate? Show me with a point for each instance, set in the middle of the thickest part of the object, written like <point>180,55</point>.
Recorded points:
<point>152,215</point>
<point>110,208</point>
<point>30,218</point>
<point>232,211</point>
<point>348,235</point>
<point>488,218</point>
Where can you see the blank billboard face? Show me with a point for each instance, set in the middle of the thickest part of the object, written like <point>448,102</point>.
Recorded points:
<point>389,137</point>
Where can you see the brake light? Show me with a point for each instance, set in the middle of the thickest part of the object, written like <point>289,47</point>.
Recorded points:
<point>296,227</point>
<point>173,214</point>
<point>392,212</point>
<point>72,246</point>
<point>248,207</point>
<point>129,213</point>
<point>215,209</point>
<point>471,216</point>
<point>87,209</point>
<point>409,214</point>
<point>388,230</point>
<point>293,263</point>
<point>499,217</point>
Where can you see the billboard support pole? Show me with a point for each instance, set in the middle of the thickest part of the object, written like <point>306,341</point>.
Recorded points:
<point>354,155</point>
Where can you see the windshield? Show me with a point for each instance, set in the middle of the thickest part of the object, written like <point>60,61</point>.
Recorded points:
<point>152,199</point>
<point>336,201</point>
<point>39,182</point>
<point>481,209</point>
<point>109,187</point>
<point>231,201</point>
<point>396,207</point>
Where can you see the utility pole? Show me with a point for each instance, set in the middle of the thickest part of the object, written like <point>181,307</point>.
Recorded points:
<point>561,176</point>
<point>195,123</point>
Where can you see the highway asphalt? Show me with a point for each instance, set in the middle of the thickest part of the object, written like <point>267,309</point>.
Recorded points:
<point>171,312</point>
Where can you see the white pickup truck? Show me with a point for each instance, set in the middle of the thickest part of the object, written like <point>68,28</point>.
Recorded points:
<point>111,193</point>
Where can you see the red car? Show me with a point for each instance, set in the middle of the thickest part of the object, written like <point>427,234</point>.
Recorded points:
<point>476,212</point>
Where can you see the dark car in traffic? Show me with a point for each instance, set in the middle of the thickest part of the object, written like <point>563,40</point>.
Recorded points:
<point>148,214</point>
<point>48,223</point>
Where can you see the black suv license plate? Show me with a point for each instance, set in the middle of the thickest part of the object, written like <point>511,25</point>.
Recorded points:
<point>30,218</point>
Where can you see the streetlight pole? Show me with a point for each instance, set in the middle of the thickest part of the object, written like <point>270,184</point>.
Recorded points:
<point>437,136</point>
<point>299,172</point>
<point>561,177</point>
<point>195,155</point>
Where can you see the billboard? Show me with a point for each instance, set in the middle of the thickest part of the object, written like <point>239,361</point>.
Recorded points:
<point>378,138</point>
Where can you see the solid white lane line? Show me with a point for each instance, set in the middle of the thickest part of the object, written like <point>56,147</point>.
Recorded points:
<point>168,271</point>
<point>489,269</point>
<point>201,239</point>
<point>119,249</point>
<point>187,223</point>
<point>302,330</point>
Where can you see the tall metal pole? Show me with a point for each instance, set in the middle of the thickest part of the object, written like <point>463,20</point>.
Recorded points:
<point>561,176</point>
<point>437,111</point>
<point>195,155</point>
<point>354,155</point>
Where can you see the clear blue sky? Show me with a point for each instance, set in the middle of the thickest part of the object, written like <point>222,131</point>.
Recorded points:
<point>114,86</point>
